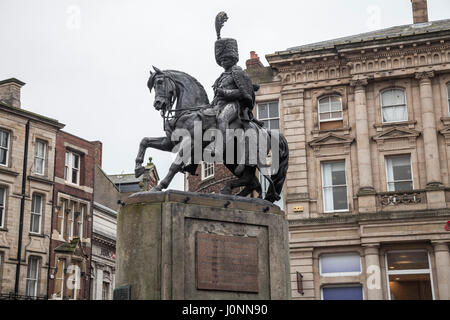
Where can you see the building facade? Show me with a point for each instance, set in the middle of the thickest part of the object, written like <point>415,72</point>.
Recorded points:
<point>27,153</point>
<point>71,236</point>
<point>106,196</point>
<point>367,195</point>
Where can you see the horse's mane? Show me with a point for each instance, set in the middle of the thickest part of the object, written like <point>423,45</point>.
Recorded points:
<point>192,79</point>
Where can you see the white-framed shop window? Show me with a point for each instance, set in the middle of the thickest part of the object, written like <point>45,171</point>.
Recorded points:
<point>36,213</point>
<point>409,275</point>
<point>72,168</point>
<point>40,150</point>
<point>340,264</point>
<point>334,185</point>
<point>399,173</point>
<point>4,147</point>
<point>207,170</point>
<point>393,105</point>
<point>32,277</point>
<point>269,113</point>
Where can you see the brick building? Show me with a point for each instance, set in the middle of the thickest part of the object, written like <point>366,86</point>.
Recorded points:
<point>368,189</point>
<point>71,236</point>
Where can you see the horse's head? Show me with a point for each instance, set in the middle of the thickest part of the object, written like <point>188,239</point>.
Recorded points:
<point>165,90</point>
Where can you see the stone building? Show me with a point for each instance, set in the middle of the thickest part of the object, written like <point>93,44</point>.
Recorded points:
<point>71,236</point>
<point>27,152</point>
<point>106,196</point>
<point>367,195</point>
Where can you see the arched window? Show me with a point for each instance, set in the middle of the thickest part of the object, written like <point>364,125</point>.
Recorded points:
<point>330,112</point>
<point>393,105</point>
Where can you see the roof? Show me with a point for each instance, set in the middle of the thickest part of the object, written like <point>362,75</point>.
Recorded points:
<point>383,34</point>
<point>12,80</point>
<point>124,178</point>
<point>31,115</point>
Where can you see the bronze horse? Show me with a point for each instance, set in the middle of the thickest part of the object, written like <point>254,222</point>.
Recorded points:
<point>192,105</point>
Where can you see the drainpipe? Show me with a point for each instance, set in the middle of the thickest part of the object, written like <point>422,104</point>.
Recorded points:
<point>22,207</point>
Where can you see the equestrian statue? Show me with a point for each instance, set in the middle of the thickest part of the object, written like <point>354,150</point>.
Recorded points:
<point>183,104</point>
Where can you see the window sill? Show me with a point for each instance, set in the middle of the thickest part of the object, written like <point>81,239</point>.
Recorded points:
<point>379,126</point>
<point>41,179</point>
<point>38,235</point>
<point>7,170</point>
<point>3,229</point>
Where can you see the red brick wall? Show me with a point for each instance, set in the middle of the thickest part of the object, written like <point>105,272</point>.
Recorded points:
<point>211,185</point>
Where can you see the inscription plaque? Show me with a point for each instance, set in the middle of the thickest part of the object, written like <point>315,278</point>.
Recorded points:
<point>227,263</point>
<point>122,293</point>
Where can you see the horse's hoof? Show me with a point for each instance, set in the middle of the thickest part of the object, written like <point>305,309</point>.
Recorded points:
<point>139,171</point>
<point>239,169</point>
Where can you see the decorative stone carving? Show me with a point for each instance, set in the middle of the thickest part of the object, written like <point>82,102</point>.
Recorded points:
<point>396,138</point>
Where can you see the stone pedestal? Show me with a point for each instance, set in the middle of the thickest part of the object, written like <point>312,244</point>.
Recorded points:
<point>181,245</point>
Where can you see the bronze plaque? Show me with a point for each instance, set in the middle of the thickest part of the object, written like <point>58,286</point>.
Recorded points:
<point>227,263</point>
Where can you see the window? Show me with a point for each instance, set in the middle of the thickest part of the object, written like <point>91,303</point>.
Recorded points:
<point>409,275</point>
<point>72,168</point>
<point>448,97</point>
<point>399,173</point>
<point>207,170</point>
<point>105,291</point>
<point>36,213</point>
<point>74,281</point>
<point>61,217</point>
<point>265,186</point>
<point>2,206</point>
<point>343,292</point>
<point>340,264</point>
<point>269,114</point>
<point>71,221</point>
<point>39,157</point>
<point>32,277</point>
<point>4,147</point>
<point>80,221</point>
<point>334,186</point>
<point>330,112</point>
<point>59,280</point>
<point>393,105</point>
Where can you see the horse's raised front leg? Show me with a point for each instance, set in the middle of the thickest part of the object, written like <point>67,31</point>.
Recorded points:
<point>163,144</point>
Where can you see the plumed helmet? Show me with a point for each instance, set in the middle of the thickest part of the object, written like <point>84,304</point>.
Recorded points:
<point>226,47</point>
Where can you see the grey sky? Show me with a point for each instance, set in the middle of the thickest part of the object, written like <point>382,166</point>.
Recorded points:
<point>86,62</point>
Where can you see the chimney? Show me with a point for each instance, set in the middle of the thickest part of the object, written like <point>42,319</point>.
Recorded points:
<point>254,61</point>
<point>420,11</point>
<point>98,152</point>
<point>10,92</point>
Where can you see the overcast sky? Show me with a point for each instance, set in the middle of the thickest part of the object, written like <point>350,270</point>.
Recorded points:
<point>86,62</point>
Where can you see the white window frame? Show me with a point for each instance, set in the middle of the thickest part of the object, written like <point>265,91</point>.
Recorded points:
<point>31,280</point>
<point>206,167</point>
<point>329,102</point>
<point>68,167</point>
<point>62,279</point>
<point>408,271</point>
<point>39,157</point>
<point>3,208</point>
<point>103,290</point>
<point>381,103</point>
<point>340,274</point>
<point>344,285</point>
<point>332,186</point>
<point>386,165</point>
<point>63,220</point>
<point>38,214</point>
<point>268,114</point>
<point>80,222</point>
<point>8,143</point>
<point>71,221</point>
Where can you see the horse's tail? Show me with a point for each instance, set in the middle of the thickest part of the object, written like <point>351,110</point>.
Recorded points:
<point>275,188</point>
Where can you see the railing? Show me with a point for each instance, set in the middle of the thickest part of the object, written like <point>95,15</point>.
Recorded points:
<point>13,296</point>
<point>401,197</point>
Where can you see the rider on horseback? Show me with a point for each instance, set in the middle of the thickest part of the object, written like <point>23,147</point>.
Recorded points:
<point>234,93</point>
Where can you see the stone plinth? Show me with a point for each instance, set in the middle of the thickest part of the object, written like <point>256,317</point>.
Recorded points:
<point>181,245</point>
